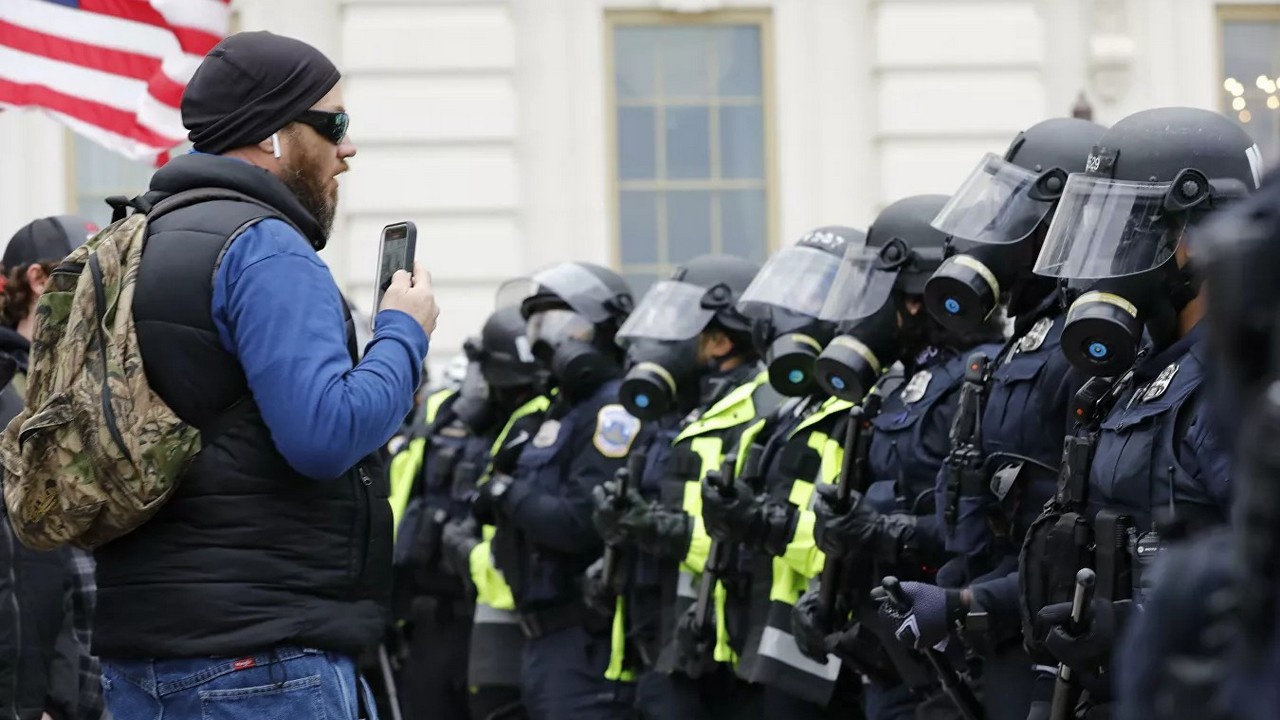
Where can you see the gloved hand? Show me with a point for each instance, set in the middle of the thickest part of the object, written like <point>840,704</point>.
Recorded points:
<point>695,643</point>
<point>731,516</point>
<point>810,628</point>
<point>618,518</point>
<point>596,593</point>
<point>929,619</point>
<point>1088,653</point>
<point>861,529</point>
<point>488,499</point>
<point>753,520</point>
<point>632,522</point>
<point>457,539</point>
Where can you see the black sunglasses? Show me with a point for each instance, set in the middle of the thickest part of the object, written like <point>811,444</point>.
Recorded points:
<point>332,125</point>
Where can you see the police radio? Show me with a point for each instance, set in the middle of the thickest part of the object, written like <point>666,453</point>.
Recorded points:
<point>966,465</point>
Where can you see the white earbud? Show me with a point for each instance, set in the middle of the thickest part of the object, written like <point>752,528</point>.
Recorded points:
<point>275,145</point>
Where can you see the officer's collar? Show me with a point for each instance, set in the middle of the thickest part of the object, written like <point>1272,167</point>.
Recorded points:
<point>1051,305</point>
<point>1151,366</point>
<point>713,387</point>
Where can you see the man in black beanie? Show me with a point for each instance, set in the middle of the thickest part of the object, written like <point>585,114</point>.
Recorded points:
<point>250,592</point>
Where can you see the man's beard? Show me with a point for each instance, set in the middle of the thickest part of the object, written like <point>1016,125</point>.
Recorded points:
<point>308,182</point>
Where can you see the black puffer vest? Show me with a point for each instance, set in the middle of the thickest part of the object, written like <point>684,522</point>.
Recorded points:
<point>247,554</point>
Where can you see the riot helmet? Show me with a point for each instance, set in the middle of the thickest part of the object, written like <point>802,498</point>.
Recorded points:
<point>572,312</point>
<point>501,370</point>
<point>784,302</point>
<point>1119,224</point>
<point>661,337</point>
<point>867,299</point>
<point>998,218</point>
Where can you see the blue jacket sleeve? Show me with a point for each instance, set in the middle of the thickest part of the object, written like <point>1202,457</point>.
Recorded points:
<point>279,312</point>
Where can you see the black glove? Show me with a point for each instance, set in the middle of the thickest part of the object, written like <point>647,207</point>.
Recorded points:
<point>928,621</point>
<point>1088,653</point>
<point>457,539</point>
<point>861,529</point>
<point>596,593</point>
<point>631,522</point>
<point>731,516</point>
<point>695,643</point>
<point>756,521</point>
<point>810,628</point>
<point>488,499</point>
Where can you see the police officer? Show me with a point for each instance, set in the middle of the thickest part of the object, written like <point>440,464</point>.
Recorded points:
<point>1206,644</point>
<point>1120,236</point>
<point>893,523</point>
<point>695,379</point>
<point>545,538</point>
<point>1001,467</point>
<point>446,464</point>
<point>758,513</point>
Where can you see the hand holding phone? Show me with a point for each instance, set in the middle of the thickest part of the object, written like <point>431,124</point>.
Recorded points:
<point>398,289</point>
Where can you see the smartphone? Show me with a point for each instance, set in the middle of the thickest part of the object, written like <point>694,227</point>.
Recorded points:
<point>395,252</point>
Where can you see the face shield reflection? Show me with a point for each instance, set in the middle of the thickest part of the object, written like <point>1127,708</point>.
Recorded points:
<point>796,278</point>
<point>1107,228</point>
<point>671,310</point>
<point>994,205</point>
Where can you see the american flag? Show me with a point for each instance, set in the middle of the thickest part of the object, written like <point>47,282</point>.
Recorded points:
<point>111,70</point>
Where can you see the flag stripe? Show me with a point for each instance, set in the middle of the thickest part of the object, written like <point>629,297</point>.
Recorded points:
<point>89,28</point>
<point>116,62</point>
<point>117,121</point>
<point>192,40</point>
<point>93,85</point>
<point>113,71</point>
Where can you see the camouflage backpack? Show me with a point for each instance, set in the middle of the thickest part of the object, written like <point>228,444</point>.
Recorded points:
<point>95,452</point>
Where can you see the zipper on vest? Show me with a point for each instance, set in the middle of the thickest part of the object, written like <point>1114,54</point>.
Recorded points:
<point>364,527</point>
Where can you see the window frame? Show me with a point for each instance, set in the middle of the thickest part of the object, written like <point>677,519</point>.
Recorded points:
<point>1235,12</point>
<point>760,18</point>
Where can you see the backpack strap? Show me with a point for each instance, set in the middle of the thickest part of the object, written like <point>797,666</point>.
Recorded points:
<point>237,411</point>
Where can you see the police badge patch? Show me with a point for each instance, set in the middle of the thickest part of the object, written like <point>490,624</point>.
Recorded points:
<point>1161,383</point>
<point>616,429</point>
<point>1035,336</point>
<point>547,435</point>
<point>916,387</point>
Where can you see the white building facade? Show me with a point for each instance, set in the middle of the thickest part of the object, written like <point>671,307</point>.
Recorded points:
<point>635,133</point>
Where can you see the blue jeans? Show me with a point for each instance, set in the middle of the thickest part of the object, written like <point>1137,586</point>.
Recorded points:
<point>284,684</point>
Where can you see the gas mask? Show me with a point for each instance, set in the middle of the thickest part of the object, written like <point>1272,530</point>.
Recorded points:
<point>564,342</point>
<point>663,377</point>
<point>783,304</point>
<point>852,363</point>
<point>790,344</point>
<point>998,212</point>
<point>1114,243</point>
<point>473,405</point>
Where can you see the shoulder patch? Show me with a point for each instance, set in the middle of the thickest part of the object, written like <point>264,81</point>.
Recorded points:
<point>616,429</point>
<point>547,435</point>
<point>916,387</point>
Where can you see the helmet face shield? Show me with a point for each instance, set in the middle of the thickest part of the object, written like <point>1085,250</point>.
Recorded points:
<point>671,310</point>
<point>861,286</point>
<point>1109,228</point>
<point>554,327</point>
<point>995,205</point>
<point>571,283</point>
<point>796,278</point>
